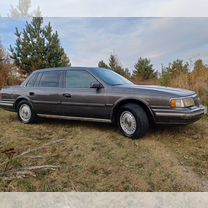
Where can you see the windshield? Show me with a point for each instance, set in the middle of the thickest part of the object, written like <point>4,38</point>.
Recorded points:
<point>110,77</point>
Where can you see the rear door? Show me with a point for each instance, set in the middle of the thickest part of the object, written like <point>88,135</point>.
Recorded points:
<point>79,99</point>
<point>46,92</point>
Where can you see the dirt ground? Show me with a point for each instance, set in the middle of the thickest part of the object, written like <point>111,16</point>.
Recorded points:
<point>56,155</point>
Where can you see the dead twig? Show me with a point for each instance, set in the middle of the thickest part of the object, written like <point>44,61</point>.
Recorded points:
<point>18,175</point>
<point>74,188</point>
<point>34,157</point>
<point>45,167</point>
<point>39,148</point>
<point>34,150</point>
<point>26,172</point>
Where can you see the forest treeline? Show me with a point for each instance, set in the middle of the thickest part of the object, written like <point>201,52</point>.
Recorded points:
<point>178,73</point>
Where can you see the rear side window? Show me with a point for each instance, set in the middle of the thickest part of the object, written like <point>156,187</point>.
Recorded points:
<point>38,79</point>
<point>32,80</point>
<point>50,79</point>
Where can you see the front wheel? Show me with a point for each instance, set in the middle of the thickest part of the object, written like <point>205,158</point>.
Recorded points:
<point>25,112</point>
<point>132,121</point>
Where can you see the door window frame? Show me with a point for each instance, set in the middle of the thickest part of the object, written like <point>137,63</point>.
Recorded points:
<point>34,77</point>
<point>60,82</point>
<point>72,70</point>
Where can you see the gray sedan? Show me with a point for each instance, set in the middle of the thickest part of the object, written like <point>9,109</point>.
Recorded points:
<point>97,94</point>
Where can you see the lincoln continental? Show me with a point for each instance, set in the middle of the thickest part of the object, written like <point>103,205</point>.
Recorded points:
<point>97,94</point>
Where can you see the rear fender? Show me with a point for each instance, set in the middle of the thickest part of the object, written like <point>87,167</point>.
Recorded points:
<point>19,99</point>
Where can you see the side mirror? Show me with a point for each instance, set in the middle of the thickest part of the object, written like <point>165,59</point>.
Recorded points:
<point>96,85</point>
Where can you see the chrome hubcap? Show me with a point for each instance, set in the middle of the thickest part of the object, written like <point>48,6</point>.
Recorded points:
<point>25,112</point>
<point>128,122</point>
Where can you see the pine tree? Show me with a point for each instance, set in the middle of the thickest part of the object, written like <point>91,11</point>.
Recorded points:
<point>178,66</point>
<point>113,63</point>
<point>38,47</point>
<point>175,72</point>
<point>199,65</point>
<point>102,64</point>
<point>144,69</point>
<point>115,66</point>
<point>127,73</point>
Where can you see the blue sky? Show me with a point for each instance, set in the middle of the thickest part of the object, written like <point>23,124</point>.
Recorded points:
<point>88,40</point>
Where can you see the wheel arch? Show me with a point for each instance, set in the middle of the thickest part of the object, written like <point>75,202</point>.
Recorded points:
<point>139,102</point>
<point>19,99</point>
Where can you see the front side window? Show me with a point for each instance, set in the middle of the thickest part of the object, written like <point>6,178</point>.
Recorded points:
<point>79,79</point>
<point>50,79</point>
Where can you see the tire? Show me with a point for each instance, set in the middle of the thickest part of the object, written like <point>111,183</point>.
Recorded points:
<point>132,121</point>
<point>25,112</point>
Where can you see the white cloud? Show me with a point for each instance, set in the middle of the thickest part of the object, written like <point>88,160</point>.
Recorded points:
<point>160,39</point>
<point>114,8</point>
<point>130,8</point>
<point>89,40</point>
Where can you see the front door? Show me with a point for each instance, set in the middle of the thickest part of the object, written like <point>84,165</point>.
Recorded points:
<point>79,99</point>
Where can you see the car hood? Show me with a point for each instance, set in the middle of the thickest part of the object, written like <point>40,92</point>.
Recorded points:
<point>178,92</point>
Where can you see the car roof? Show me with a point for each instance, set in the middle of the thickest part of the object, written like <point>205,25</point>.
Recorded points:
<point>68,68</point>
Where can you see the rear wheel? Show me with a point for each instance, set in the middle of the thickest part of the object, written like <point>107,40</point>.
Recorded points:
<point>25,112</point>
<point>132,121</point>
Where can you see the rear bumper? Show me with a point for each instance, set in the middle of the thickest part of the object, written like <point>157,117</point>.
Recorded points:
<point>7,105</point>
<point>179,116</point>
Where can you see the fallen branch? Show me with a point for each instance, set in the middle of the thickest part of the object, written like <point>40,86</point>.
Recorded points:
<point>26,172</point>
<point>34,150</point>
<point>45,167</point>
<point>17,175</point>
<point>39,148</point>
<point>74,188</point>
<point>34,157</point>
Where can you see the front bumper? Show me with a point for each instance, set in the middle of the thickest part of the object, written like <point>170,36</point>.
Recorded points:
<point>179,116</point>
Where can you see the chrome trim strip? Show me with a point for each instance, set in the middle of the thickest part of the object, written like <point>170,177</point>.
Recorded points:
<point>157,107</point>
<point>3,103</point>
<point>75,118</point>
<point>83,104</point>
<point>179,114</point>
<point>184,97</point>
<point>109,105</point>
<point>187,114</point>
<point>46,102</point>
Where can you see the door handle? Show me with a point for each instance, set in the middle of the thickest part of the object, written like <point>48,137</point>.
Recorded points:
<point>31,93</point>
<point>67,95</point>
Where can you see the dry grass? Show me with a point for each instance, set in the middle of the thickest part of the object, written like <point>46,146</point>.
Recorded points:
<point>95,157</point>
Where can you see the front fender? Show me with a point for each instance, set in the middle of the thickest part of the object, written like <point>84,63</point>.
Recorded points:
<point>125,100</point>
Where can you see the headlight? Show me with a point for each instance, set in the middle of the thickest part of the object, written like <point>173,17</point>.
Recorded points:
<point>181,103</point>
<point>188,102</point>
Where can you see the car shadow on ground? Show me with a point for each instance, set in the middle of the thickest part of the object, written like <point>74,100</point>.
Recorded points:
<point>65,122</point>
<point>154,129</point>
